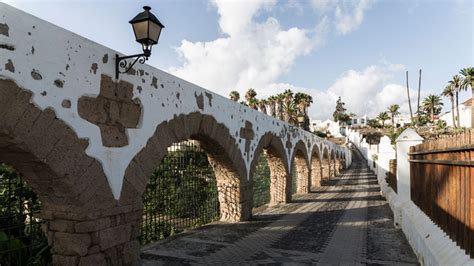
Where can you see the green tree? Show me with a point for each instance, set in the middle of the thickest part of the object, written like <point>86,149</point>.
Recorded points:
<point>250,97</point>
<point>393,110</point>
<point>262,106</point>
<point>373,123</point>
<point>468,79</point>
<point>340,112</point>
<point>432,105</point>
<point>449,92</point>
<point>288,105</point>
<point>272,105</point>
<point>234,96</point>
<point>458,86</point>
<point>303,101</point>
<point>383,116</point>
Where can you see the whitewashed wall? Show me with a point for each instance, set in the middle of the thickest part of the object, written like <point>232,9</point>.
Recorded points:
<point>42,53</point>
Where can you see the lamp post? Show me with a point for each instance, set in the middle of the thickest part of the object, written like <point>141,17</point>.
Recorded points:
<point>300,117</point>
<point>147,29</point>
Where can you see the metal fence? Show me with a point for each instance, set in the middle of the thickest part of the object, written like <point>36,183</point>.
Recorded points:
<point>21,240</point>
<point>442,185</point>
<point>181,194</point>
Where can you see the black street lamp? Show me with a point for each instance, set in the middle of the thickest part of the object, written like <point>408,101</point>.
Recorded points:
<point>147,29</point>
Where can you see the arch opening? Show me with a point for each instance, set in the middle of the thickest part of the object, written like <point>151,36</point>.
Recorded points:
<point>208,176</point>
<point>316,169</point>
<point>261,183</point>
<point>280,178</point>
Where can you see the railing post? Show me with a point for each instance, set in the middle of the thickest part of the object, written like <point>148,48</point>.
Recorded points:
<point>407,139</point>
<point>386,152</point>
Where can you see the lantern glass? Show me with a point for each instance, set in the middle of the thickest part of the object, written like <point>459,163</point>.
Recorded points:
<point>141,30</point>
<point>154,31</point>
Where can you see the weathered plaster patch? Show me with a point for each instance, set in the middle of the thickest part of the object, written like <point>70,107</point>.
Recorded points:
<point>44,93</point>
<point>4,29</point>
<point>67,67</point>
<point>177,95</point>
<point>132,71</point>
<point>32,50</point>
<point>113,111</point>
<point>105,58</point>
<point>199,101</point>
<point>139,88</point>
<point>154,82</point>
<point>36,75</point>
<point>66,104</point>
<point>7,47</point>
<point>94,68</point>
<point>209,98</point>
<point>9,66</point>
<point>59,83</point>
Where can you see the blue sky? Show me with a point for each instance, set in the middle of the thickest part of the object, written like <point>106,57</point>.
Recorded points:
<point>356,49</point>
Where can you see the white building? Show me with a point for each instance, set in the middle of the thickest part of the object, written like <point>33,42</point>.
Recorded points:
<point>358,121</point>
<point>399,120</point>
<point>464,115</point>
<point>327,126</point>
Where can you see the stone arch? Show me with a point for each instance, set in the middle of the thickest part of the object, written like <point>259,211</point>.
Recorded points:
<point>301,160</point>
<point>316,167</point>
<point>224,155</point>
<point>280,177</point>
<point>77,204</point>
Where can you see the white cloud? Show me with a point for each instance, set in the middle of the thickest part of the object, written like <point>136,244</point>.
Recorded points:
<point>347,15</point>
<point>369,91</point>
<point>252,54</point>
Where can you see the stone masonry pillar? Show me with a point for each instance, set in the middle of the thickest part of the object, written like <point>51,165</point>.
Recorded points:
<point>280,180</point>
<point>316,173</point>
<point>302,175</point>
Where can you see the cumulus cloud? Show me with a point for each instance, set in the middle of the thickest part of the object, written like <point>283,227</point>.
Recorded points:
<point>365,92</point>
<point>348,15</point>
<point>250,54</point>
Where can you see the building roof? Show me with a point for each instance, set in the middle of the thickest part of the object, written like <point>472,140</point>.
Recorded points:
<point>468,102</point>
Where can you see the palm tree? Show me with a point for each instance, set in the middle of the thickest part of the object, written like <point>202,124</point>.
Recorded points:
<point>271,103</point>
<point>393,110</point>
<point>458,85</point>
<point>383,116</point>
<point>432,105</point>
<point>468,74</point>
<point>234,96</point>
<point>303,101</point>
<point>279,106</point>
<point>262,105</point>
<point>449,92</point>
<point>253,103</point>
<point>250,94</point>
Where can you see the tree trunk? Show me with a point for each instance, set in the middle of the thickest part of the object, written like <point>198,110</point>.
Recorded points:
<point>457,109</point>
<point>409,101</point>
<point>419,90</point>
<point>393,121</point>
<point>432,115</point>
<point>452,112</point>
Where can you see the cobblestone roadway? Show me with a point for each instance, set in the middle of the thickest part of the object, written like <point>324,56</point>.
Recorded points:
<point>346,221</point>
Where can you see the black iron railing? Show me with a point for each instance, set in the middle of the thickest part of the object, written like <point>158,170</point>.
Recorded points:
<point>181,194</point>
<point>21,240</point>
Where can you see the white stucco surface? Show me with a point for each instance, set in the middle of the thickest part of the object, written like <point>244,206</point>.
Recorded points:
<point>54,53</point>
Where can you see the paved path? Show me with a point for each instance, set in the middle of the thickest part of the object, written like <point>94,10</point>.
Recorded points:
<point>346,221</point>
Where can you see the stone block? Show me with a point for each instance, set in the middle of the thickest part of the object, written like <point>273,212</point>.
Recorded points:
<point>92,226</point>
<point>71,244</point>
<point>114,236</point>
<point>60,260</point>
<point>59,225</point>
<point>95,259</point>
